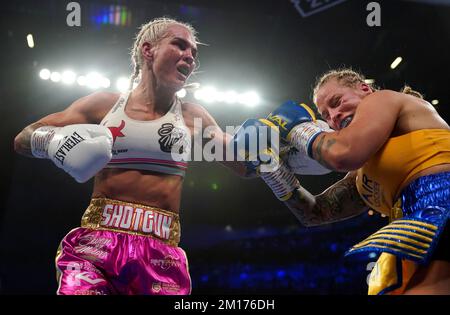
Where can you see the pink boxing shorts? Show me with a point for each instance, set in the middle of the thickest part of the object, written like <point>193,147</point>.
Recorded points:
<point>123,248</point>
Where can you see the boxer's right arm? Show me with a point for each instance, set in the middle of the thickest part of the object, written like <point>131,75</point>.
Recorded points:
<point>339,202</point>
<point>86,110</point>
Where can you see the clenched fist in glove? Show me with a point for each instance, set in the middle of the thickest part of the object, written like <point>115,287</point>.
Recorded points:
<point>81,150</point>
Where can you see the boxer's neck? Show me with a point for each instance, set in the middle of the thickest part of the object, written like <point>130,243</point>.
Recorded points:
<point>150,97</point>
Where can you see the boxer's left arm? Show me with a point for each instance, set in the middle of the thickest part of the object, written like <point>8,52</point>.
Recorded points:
<point>339,202</point>
<point>211,131</point>
<point>349,148</point>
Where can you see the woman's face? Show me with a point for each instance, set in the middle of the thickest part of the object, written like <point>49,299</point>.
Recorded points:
<point>337,103</point>
<point>173,58</point>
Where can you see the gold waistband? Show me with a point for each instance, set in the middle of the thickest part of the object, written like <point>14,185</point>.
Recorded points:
<point>132,218</point>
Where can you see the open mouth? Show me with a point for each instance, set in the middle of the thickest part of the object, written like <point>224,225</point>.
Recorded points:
<point>184,70</point>
<point>345,122</point>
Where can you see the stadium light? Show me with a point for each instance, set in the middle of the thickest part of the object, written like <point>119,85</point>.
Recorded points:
<point>30,40</point>
<point>396,62</point>
<point>93,80</point>
<point>231,97</point>
<point>122,84</point>
<point>81,80</point>
<point>209,94</point>
<point>55,76</point>
<point>44,74</point>
<point>106,83</point>
<point>68,77</point>
<point>250,99</point>
<point>182,93</point>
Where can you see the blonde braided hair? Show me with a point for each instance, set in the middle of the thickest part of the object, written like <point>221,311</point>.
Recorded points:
<point>349,77</point>
<point>151,32</point>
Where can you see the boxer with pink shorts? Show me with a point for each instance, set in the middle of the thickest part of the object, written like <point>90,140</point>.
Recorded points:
<point>136,145</point>
<point>123,248</point>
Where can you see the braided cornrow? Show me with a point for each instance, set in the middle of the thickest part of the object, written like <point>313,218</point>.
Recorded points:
<point>346,76</point>
<point>350,78</point>
<point>408,90</point>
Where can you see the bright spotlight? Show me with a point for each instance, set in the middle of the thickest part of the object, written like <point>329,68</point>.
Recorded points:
<point>181,93</point>
<point>435,102</point>
<point>81,80</point>
<point>106,83</point>
<point>122,84</point>
<point>249,98</point>
<point>30,41</point>
<point>209,94</point>
<point>220,97</point>
<point>396,62</point>
<point>231,97</point>
<point>93,80</point>
<point>44,74</point>
<point>192,86</point>
<point>198,95</point>
<point>55,76</point>
<point>68,77</point>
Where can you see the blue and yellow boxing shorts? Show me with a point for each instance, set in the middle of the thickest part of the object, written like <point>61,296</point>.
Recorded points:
<point>415,236</point>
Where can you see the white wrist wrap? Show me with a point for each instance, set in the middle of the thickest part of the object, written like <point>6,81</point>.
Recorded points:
<point>282,182</point>
<point>302,136</point>
<point>40,140</point>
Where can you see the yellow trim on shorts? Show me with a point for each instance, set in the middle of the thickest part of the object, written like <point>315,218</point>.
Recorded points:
<point>367,242</point>
<point>425,238</point>
<point>396,250</point>
<point>400,237</point>
<point>430,226</point>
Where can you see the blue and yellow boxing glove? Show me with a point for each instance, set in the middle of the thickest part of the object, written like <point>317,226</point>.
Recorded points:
<point>256,143</point>
<point>297,125</point>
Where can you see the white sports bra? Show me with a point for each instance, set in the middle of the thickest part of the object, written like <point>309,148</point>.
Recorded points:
<point>162,145</point>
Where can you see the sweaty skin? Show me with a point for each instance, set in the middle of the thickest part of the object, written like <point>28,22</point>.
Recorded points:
<point>150,100</point>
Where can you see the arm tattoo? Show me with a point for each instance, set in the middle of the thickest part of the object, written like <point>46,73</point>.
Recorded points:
<point>318,150</point>
<point>340,201</point>
<point>22,143</point>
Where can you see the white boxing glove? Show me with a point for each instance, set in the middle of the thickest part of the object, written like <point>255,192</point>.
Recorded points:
<point>81,150</point>
<point>324,125</point>
<point>302,164</point>
<point>302,136</point>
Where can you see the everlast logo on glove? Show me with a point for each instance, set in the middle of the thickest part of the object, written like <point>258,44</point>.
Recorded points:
<point>69,143</point>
